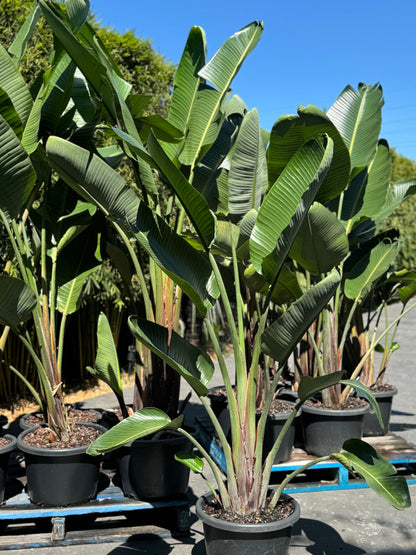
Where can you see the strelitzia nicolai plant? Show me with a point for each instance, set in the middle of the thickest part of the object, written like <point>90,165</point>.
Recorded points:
<point>278,220</point>
<point>43,279</point>
<point>195,265</point>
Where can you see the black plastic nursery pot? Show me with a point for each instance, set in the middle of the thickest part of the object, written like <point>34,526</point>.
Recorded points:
<point>5,451</point>
<point>60,477</point>
<point>274,425</point>
<point>25,423</point>
<point>371,424</point>
<point>3,421</point>
<point>231,538</point>
<point>326,430</point>
<point>148,469</point>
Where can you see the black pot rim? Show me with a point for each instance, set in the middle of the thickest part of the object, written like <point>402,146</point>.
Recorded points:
<point>10,446</point>
<point>44,452</point>
<point>247,528</point>
<point>336,412</point>
<point>24,425</point>
<point>382,394</point>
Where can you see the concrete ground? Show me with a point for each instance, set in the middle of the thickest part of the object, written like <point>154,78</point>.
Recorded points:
<point>351,522</point>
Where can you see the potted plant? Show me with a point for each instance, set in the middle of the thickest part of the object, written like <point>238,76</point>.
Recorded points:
<point>156,383</point>
<point>44,277</point>
<point>196,264</point>
<point>7,444</point>
<point>147,469</point>
<point>353,203</point>
<point>397,286</point>
<point>246,489</point>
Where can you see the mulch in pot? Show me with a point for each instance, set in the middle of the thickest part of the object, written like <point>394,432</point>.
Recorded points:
<point>78,437</point>
<point>381,388</point>
<point>279,406</point>
<point>283,509</point>
<point>4,441</point>
<point>74,415</point>
<point>350,404</point>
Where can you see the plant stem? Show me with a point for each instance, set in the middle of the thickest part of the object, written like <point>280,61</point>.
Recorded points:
<point>241,372</point>
<point>292,475</point>
<point>225,498</point>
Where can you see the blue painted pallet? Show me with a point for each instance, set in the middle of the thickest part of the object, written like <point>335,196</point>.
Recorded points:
<point>109,501</point>
<point>328,475</point>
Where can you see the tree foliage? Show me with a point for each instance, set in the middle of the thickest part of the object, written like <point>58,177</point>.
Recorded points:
<point>403,218</point>
<point>147,71</point>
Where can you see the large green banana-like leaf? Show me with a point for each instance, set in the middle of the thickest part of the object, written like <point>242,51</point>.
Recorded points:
<point>210,175</point>
<point>321,243</point>
<point>93,179</point>
<point>193,364</point>
<point>179,260</point>
<point>220,70</point>
<point>366,393</point>
<point>378,472</point>
<point>14,86</point>
<point>90,66</point>
<point>17,176</point>
<point>186,82</point>
<point>101,185</point>
<point>378,182</point>
<point>287,202</point>
<point>226,62</point>
<point>205,123</point>
<point>369,188</point>
<point>289,133</point>
<point>357,116</point>
<point>69,294</point>
<point>405,280</point>
<point>17,301</point>
<point>192,201</point>
<point>18,46</point>
<point>106,366</point>
<point>246,175</point>
<point>9,114</point>
<point>77,11</point>
<point>396,194</point>
<point>286,289</point>
<point>30,138</point>
<point>162,129</point>
<point>280,338</point>
<point>140,424</point>
<point>310,386</point>
<point>360,279</point>
<point>58,83</point>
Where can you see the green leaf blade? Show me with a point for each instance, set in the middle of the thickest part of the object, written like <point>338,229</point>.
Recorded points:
<point>287,202</point>
<point>16,302</point>
<point>193,364</point>
<point>140,424</point>
<point>281,337</point>
<point>378,472</point>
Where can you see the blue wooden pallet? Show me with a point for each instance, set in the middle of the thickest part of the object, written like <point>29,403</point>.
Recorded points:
<point>110,501</point>
<point>327,475</point>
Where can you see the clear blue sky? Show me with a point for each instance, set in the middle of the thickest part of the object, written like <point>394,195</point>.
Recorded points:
<point>310,50</point>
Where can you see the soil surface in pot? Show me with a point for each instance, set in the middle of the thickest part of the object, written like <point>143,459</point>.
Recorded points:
<point>283,509</point>
<point>279,406</point>
<point>78,437</point>
<point>382,388</point>
<point>4,441</point>
<point>350,404</point>
<point>74,415</point>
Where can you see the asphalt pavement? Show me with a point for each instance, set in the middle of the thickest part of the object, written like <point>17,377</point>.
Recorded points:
<point>348,522</point>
